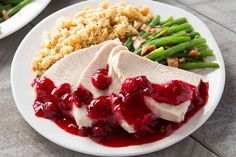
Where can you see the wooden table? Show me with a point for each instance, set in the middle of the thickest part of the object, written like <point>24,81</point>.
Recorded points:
<point>217,137</point>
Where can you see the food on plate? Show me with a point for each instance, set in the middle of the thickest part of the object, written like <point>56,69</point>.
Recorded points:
<point>88,27</point>
<point>172,42</point>
<point>118,75</point>
<point>9,7</point>
<point>117,98</point>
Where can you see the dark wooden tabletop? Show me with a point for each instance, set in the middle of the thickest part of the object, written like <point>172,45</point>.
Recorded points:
<point>217,137</point>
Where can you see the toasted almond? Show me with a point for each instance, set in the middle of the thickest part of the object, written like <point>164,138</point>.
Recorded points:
<point>173,62</point>
<point>147,48</point>
<point>144,50</point>
<point>194,53</point>
<point>138,42</point>
<point>153,30</point>
<point>152,48</point>
<point>5,15</point>
<point>145,28</point>
<point>182,60</point>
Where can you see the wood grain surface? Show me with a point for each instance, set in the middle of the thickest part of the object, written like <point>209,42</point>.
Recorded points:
<point>217,137</point>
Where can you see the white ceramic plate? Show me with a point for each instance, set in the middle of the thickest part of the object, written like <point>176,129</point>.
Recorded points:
<point>21,18</point>
<point>22,76</point>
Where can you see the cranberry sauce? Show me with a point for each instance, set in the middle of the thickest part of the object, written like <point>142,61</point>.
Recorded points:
<point>51,101</point>
<point>129,104</point>
<point>100,79</point>
<point>81,97</point>
<point>108,111</point>
<point>174,92</point>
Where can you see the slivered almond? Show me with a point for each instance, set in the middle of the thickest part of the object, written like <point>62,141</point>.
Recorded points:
<point>173,62</point>
<point>194,53</point>
<point>144,50</point>
<point>147,48</point>
<point>152,48</point>
<point>145,28</point>
<point>153,30</point>
<point>138,42</point>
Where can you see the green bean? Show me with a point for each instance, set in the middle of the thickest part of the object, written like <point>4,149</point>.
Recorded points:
<point>197,36</point>
<point>198,65</point>
<point>152,24</point>
<point>169,19</point>
<point>203,53</point>
<point>177,21</point>
<point>12,1</point>
<point>15,9</point>
<point>129,43</point>
<point>153,36</point>
<point>180,27</point>
<point>185,26</point>
<point>180,33</point>
<point>138,52</point>
<point>193,34</point>
<point>155,54</point>
<point>159,33</point>
<point>147,23</point>
<point>182,54</point>
<point>181,47</point>
<point>201,46</point>
<point>5,7</point>
<point>144,34</point>
<point>169,40</point>
<point>154,21</point>
<point>206,53</point>
<point>189,30</point>
<point>190,59</point>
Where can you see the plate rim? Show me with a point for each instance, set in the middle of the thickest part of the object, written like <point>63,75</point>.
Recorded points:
<point>120,154</point>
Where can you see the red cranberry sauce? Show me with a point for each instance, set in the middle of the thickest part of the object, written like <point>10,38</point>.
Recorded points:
<point>81,96</point>
<point>174,92</point>
<point>100,79</point>
<point>129,105</point>
<point>51,101</point>
<point>129,102</point>
<point>55,103</point>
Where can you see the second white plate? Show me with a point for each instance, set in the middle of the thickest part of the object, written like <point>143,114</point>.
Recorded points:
<point>21,18</point>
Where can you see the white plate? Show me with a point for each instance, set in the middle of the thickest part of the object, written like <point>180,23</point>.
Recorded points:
<point>21,18</point>
<point>22,76</point>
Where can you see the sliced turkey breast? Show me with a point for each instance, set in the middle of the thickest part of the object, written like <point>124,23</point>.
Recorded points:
<point>69,68</point>
<point>115,85</point>
<point>156,73</point>
<point>100,61</point>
